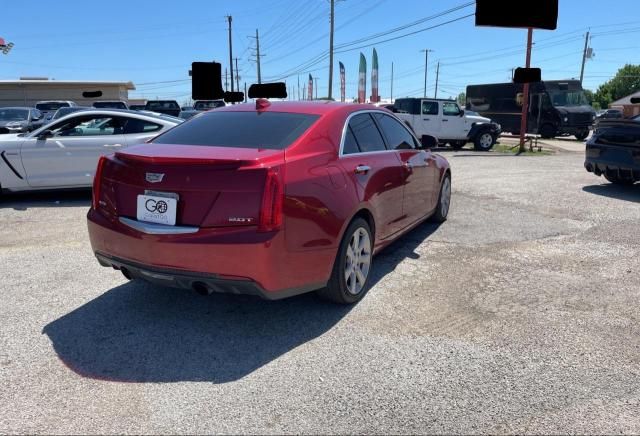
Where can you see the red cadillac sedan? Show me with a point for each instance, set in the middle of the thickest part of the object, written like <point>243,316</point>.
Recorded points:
<point>271,199</point>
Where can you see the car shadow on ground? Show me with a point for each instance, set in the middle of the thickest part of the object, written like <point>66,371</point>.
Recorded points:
<point>24,201</point>
<point>619,192</point>
<point>140,333</point>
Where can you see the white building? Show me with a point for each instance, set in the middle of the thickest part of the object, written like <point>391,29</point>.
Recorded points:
<point>26,92</point>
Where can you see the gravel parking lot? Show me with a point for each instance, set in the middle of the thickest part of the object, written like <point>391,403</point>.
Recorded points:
<point>518,315</point>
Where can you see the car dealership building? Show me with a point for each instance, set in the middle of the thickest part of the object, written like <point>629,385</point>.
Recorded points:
<point>28,91</point>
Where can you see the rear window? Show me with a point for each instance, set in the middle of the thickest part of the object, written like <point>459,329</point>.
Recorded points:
<point>204,105</point>
<point>162,105</point>
<point>51,106</point>
<point>110,104</point>
<point>270,130</point>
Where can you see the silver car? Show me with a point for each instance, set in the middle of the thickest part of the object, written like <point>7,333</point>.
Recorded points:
<point>64,153</point>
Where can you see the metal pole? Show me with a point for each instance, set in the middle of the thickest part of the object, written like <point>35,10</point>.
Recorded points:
<point>525,93</point>
<point>331,51</point>
<point>230,53</point>
<point>226,79</point>
<point>435,95</point>
<point>237,76</point>
<point>584,56</point>
<point>426,64</point>
<point>391,82</point>
<point>315,81</point>
<point>298,93</point>
<point>258,55</point>
<point>245,92</point>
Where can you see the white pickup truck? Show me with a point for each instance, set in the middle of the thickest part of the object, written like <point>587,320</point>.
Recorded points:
<point>445,120</point>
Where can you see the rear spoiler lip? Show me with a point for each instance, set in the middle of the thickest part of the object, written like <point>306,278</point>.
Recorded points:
<point>175,160</point>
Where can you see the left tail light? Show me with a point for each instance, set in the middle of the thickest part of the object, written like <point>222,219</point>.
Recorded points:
<point>97,183</point>
<point>272,201</point>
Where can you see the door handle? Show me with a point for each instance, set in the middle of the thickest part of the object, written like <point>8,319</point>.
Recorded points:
<point>445,121</point>
<point>362,169</point>
<point>426,119</point>
<point>113,145</point>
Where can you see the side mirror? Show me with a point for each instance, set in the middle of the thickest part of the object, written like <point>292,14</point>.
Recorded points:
<point>428,142</point>
<point>461,114</point>
<point>45,134</point>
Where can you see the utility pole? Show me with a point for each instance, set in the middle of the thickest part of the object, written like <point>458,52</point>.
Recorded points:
<point>298,87</point>
<point>584,56</point>
<point>525,93</point>
<point>245,92</point>
<point>257,38</point>
<point>426,65</point>
<point>315,81</point>
<point>435,95</point>
<point>230,52</point>
<point>237,76</point>
<point>226,79</point>
<point>391,82</point>
<point>331,51</point>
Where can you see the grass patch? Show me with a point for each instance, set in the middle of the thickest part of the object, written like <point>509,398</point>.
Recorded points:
<point>511,148</point>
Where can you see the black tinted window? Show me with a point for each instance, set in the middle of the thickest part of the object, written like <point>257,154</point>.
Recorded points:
<point>110,104</point>
<point>272,130</point>
<point>398,138</point>
<point>50,106</point>
<point>350,143</point>
<point>134,125</point>
<point>366,133</point>
<point>162,105</point>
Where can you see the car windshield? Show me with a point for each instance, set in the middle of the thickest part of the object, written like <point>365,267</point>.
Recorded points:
<point>52,106</point>
<point>568,98</point>
<point>14,114</point>
<point>271,130</point>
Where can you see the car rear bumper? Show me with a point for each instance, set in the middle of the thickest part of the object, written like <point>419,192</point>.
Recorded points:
<point>601,159</point>
<point>237,260</point>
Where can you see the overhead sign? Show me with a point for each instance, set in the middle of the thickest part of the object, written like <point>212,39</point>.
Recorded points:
<point>5,46</point>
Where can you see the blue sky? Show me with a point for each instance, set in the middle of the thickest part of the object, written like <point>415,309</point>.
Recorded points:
<point>149,41</point>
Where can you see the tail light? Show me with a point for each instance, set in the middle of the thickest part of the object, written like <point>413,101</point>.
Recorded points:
<point>272,202</point>
<point>97,183</point>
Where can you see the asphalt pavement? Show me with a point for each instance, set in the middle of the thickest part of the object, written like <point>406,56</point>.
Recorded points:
<point>517,315</point>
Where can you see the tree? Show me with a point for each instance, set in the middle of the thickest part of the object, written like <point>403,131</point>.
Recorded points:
<point>625,82</point>
<point>462,99</point>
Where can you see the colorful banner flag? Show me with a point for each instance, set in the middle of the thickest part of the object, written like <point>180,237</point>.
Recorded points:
<point>374,78</point>
<point>310,90</point>
<point>362,80</point>
<point>342,83</point>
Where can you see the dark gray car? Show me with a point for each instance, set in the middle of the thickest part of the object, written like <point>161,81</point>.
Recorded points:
<point>19,119</point>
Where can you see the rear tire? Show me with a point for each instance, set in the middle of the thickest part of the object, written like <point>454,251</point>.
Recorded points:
<point>547,131</point>
<point>581,135</point>
<point>484,141</point>
<point>619,180</point>
<point>444,201</point>
<point>352,268</point>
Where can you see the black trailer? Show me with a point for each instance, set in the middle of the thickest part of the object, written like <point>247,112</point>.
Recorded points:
<point>556,107</point>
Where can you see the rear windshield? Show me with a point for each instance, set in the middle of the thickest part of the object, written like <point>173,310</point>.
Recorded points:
<point>51,106</point>
<point>110,104</point>
<point>162,105</point>
<point>204,105</point>
<point>270,130</point>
